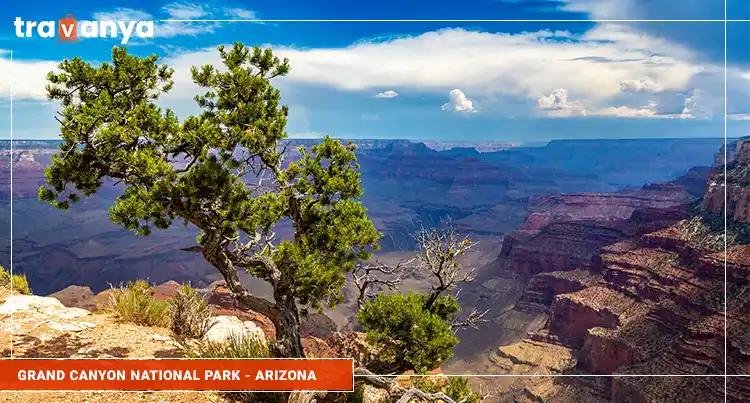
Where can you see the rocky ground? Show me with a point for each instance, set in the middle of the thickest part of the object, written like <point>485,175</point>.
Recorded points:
<point>44,328</point>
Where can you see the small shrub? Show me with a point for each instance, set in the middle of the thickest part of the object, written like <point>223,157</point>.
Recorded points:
<point>135,303</point>
<point>18,282</point>
<point>21,284</point>
<point>236,347</point>
<point>458,389</point>
<point>427,384</point>
<point>358,396</point>
<point>406,333</point>
<point>455,387</point>
<point>189,314</point>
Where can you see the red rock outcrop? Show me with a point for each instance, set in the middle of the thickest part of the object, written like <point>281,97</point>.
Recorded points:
<point>652,302</point>
<point>736,181</point>
<point>73,296</point>
<point>652,307</point>
<point>566,231</point>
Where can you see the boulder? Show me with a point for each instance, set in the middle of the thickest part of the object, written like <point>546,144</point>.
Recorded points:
<point>317,348</point>
<point>224,327</point>
<point>351,344</point>
<point>221,302</point>
<point>73,296</point>
<point>42,305</point>
<point>32,311</point>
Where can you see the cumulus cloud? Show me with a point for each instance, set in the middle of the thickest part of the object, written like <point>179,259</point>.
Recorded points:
<point>601,68</point>
<point>558,104</point>
<point>458,102</point>
<point>123,14</point>
<point>524,64</point>
<point>386,94</point>
<point>640,86</point>
<point>557,99</point>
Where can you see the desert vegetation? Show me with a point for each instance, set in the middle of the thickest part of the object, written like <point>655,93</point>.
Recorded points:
<point>188,313</point>
<point>135,303</point>
<point>17,282</point>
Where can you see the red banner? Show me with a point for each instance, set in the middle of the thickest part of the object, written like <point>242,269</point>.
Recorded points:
<point>268,375</point>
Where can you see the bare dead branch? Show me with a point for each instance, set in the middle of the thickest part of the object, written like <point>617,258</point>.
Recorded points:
<point>366,276</point>
<point>473,320</point>
<point>438,255</point>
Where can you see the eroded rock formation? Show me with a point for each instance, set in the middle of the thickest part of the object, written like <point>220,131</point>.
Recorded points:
<point>650,303</point>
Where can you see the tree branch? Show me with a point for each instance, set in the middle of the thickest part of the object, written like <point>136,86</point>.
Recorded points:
<point>473,320</point>
<point>366,276</point>
<point>438,253</point>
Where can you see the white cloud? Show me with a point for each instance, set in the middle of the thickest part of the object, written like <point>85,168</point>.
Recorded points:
<point>386,94</point>
<point>123,14</point>
<point>523,65</point>
<point>240,13</point>
<point>29,78</point>
<point>558,104</point>
<point>163,29</point>
<point>640,86</point>
<point>607,70</point>
<point>458,102</point>
<point>739,116</point>
<point>557,99</point>
<point>185,11</point>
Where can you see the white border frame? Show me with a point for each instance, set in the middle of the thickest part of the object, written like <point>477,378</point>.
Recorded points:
<point>725,21</point>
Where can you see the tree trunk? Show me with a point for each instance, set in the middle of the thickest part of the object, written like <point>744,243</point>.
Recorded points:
<point>283,313</point>
<point>288,335</point>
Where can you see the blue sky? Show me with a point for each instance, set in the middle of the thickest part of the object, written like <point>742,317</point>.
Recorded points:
<point>477,81</point>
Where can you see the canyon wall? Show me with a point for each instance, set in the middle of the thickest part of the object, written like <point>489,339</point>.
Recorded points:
<point>652,302</point>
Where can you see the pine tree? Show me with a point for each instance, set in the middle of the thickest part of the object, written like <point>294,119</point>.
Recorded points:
<point>222,171</point>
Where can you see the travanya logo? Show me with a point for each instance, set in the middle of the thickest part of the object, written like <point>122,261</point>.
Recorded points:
<point>69,29</point>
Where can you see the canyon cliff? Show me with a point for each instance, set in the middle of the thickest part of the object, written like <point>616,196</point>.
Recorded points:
<point>633,293</point>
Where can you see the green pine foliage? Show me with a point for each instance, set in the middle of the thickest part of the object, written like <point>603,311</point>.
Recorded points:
<point>223,172</point>
<point>205,171</point>
<point>407,333</point>
<point>458,389</point>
